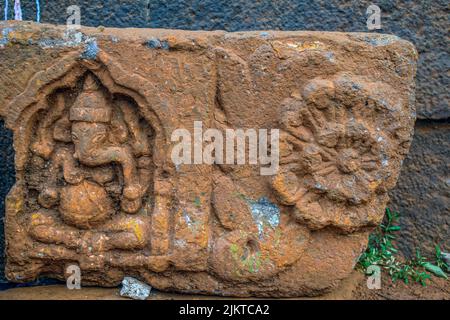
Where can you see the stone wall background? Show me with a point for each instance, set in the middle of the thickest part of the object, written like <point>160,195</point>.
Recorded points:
<point>422,193</point>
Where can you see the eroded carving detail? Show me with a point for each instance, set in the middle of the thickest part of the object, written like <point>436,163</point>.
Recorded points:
<point>341,144</point>
<point>91,169</point>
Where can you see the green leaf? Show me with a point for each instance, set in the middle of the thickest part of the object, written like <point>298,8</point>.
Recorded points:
<point>435,270</point>
<point>388,213</point>
<point>394,228</point>
<point>438,251</point>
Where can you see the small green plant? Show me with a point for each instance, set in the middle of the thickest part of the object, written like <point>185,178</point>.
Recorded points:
<point>439,259</point>
<point>382,252</point>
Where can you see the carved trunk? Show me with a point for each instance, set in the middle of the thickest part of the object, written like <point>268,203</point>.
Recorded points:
<point>93,115</point>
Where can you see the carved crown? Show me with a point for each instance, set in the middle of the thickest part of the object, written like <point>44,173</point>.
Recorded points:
<point>91,104</point>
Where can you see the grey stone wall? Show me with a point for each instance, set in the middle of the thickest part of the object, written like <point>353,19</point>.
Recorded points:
<point>422,194</point>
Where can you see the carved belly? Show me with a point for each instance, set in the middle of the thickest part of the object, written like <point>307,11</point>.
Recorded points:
<point>85,205</point>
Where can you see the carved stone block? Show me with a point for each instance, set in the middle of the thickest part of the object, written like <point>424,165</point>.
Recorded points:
<point>93,116</point>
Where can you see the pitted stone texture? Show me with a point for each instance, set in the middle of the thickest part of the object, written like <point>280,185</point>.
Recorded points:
<point>424,23</point>
<point>422,192</point>
<point>92,125</point>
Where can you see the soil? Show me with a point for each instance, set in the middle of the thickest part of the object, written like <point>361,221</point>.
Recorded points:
<point>353,288</point>
<point>436,289</point>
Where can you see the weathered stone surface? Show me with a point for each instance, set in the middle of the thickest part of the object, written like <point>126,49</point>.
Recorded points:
<point>422,192</point>
<point>424,23</point>
<point>92,123</point>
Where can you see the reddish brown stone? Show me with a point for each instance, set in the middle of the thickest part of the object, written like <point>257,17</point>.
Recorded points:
<point>96,185</point>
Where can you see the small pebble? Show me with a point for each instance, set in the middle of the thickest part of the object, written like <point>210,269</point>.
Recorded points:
<point>134,289</point>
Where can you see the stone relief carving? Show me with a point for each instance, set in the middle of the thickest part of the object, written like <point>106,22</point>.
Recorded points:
<point>92,168</point>
<point>90,173</point>
<point>342,141</point>
<point>96,186</point>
